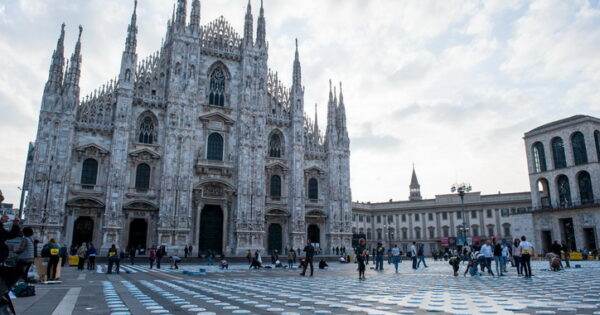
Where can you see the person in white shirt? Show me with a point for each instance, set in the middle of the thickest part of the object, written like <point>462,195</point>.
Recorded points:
<point>526,253</point>
<point>396,256</point>
<point>505,257</point>
<point>413,255</point>
<point>486,250</point>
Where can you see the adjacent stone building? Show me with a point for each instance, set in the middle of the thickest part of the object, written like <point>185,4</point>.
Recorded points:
<point>439,222</point>
<point>563,159</point>
<point>200,143</point>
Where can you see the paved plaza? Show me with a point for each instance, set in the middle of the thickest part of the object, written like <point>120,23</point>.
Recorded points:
<point>137,290</point>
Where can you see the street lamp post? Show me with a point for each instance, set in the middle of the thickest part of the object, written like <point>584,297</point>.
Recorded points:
<point>462,189</point>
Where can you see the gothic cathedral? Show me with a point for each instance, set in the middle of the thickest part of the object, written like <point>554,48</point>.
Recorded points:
<point>200,143</point>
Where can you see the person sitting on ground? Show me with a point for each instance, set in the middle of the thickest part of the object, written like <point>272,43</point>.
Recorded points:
<point>224,263</point>
<point>323,264</point>
<point>554,261</point>
<point>255,264</point>
<point>342,259</point>
<point>174,261</point>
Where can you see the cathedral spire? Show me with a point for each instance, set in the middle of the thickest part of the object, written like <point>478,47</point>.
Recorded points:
<point>331,133</point>
<point>261,32</point>
<point>131,41</point>
<point>74,71</point>
<point>55,75</point>
<point>180,17</point>
<point>316,126</point>
<point>195,16</point>
<point>297,72</point>
<point>341,114</point>
<point>248,31</point>
<point>415,188</point>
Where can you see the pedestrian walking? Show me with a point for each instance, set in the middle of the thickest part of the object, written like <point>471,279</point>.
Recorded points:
<point>113,259</point>
<point>486,250</point>
<point>162,252</point>
<point>567,253</point>
<point>249,256</point>
<point>132,255</point>
<point>25,252</point>
<point>505,256</point>
<point>395,256</point>
<point>64,255</point>
<point>526,253</point>
<point>421,256</point>
<point>291,258</point>
<point>308,259</point>
<point>497,250</point>
<point>91,253</point>
<point>190,250</point>
<point>185,252</point>
<point>54,252</point>
<point>361,253</point>
<point>152,257</point>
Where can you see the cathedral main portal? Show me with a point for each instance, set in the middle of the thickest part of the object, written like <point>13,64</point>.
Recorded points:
<point>211,230</point>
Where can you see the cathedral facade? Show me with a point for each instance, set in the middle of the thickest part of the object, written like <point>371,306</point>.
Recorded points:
<point>200,143</point>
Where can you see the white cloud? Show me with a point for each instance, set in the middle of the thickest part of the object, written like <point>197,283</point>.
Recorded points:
<point>449,85</point>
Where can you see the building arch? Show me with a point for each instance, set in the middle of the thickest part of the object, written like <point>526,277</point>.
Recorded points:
<point>539,157</point>
<point>579,149</point>
<point>597,142</point>
<point>276,144</point>
<point>564,191</point>
<point>558,153</point>
<point>218,81</point>
<point>214,147</point>
<point>544,192</point>
<point>586,192</point>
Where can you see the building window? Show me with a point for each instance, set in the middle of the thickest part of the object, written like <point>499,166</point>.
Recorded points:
<point>475,230</point>
<point>214,149</point>
<point>404,233</point>
<point>89,172</point>
<point>539,157</point>
<point>431,233</point>
<point>313,189</point>
<point>369,234</point>
<point>459,215</point>
<point>146,131</point>
<point>275,186</point>
<point>378,219</point>
<point>488,213</point>
<point>506,227</point>
<point>379,235</point>
<point>444,215</point>
<point>354,217</point>
<point>505,212</point>
<point>459,231</point>
<point>142,177</point>
<point>474,214</point>
<point>579,150</point>
<point>446,231</point>
<point>564,191</point>
<point>216,94</point>
<point>390,219</point>
<point>430,216</point>
<point>490,230</point>
<point>558,153</point>
<point>368,219</point>
<point>275,148</point>
<point>391,234</point>
<point>586,193</point>
<point>360,218</point>
<point>417,217</point>
<point>418,233</point>
<point>404,218</point>
<point>597,141</point>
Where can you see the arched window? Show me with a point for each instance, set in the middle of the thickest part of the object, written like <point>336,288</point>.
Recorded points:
<point>275,149</point>
<point>579,150</point>
<point>313,189</point>
<point>490,230</point>
<point>431,232</point>
<point>404,233</point>
<point>558,153</point>
<point>391,234</point>
<point>564,191</point>
<point>586,194</point>
<point>539,158</point>
<point>142,176</point>
<point>418,233</point>
<point>369,234</point>
<point>544,191</point>
<point>506,227</point>
<point>597,140</point>
<point>446,231</point>
<point>89,172</point>
<point>275,186</point>
<point>146,132</point>
<point>214,149</point>
<point>216,91</point>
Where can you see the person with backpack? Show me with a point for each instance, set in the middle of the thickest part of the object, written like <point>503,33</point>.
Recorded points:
<point>91,253</point>
<point>82,254</point>
<point>113,259</point>
<point>395,254</point>
<point>54,257</point>
<point>25,251</point>
<point>421,256</point>
<point>361,253</point>
<point>64,255</point>
<point>379,251</point>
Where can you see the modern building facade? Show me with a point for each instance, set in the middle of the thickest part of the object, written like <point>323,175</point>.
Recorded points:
<point>200,143</point>
<point>439,222</point>
<point>564,173</point>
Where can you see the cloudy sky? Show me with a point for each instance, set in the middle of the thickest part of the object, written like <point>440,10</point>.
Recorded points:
<point>448,85</point>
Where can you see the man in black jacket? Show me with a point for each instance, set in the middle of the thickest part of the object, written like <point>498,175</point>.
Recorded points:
<point>310,253</point>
